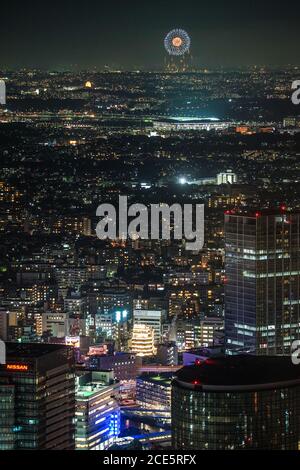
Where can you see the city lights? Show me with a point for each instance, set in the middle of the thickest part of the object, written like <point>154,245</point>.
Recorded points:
<point>149,231</point>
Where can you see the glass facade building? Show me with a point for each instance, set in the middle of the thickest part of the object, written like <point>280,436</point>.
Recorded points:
<point>37,397</point>
<point>262,290</point>
<point>7,416</point>
<point>153,391</point>
<point>97,411</point>
<point>237,402</point>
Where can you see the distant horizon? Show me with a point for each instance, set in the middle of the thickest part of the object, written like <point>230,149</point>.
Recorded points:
<point>131,34</point>
<point>144,69</point>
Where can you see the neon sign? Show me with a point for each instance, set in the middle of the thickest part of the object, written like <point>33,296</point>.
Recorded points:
<point>17,367</point>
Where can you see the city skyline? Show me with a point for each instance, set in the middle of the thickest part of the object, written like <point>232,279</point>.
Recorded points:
<point>149,228</point>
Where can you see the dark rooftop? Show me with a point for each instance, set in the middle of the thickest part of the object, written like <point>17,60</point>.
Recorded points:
<point>31,350</point>
<point>162,379</point>
<point>241,370</point>
<point>258,212</point>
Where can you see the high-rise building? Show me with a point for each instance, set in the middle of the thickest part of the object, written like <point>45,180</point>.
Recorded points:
<point>142,342</point>
<point>4,319</point>
<point>152,318</point>
<point>205,331</point>
<point>97,411</point>
<point>115,299</point>
<point>37,397</point>
<point>113,305</point>
<point>262,289</point>
<point>70,277</point>
<point>237,402</point>
<point>56,323</point>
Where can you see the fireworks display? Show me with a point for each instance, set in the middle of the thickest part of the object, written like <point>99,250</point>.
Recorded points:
<point>177,42</point>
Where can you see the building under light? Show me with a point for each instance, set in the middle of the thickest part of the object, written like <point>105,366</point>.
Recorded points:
<point>152,318</point>
<point>97,411</point>
<point>37,397</point>
<point>142,343</point>
<point>153,391</point>
<point>227,177</point>
<point>205,331</point>
<point>235,403</point>
<point>177,124</point>
<point>262,299</point>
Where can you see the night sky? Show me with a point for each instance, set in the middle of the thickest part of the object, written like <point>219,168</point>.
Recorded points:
<point>129,34</point>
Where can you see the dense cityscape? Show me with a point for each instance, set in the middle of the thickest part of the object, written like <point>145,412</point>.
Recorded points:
<point>140,343</point>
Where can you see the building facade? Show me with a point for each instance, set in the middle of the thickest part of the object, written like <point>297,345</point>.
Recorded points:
<point>97,411</point>
<point>152,318</point>
<point>142,343</point>
<point>262,289</point>
<point>153,391</point>
<point>237,402</point>
<point>37,397</point>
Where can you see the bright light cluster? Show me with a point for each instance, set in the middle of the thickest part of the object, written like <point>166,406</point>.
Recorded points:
<point>177,42</point>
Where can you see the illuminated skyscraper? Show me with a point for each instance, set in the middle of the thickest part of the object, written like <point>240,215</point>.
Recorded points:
<point>97,411</point>
<point>152,318</point>
<point>143,340</point>
<point>37,397</point>
<point>237,402</point>
<point>262,290</point>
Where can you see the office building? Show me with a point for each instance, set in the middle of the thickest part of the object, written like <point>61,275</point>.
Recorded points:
<point>71,277</point>
<point>124,365</point>
<point>55,323</point>
<point>153,391</point>
<point>237,402</point>
<point>115,299</point>
<point>152,318</point>
<point>262,296</point>
<point>37,397</point>
<point>206,330</point>
<point>142,343</point>
<point>97,411</point>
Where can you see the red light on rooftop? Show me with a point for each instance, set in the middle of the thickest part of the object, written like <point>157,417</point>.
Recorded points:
<point>228,212</point>
<point>257,214</point>
<point>196,382</point>
<point>283,207</point>
<point>210,362</point>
